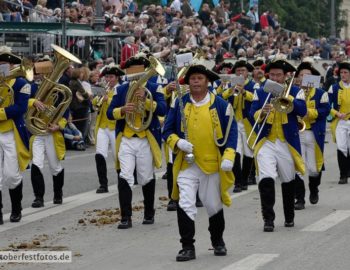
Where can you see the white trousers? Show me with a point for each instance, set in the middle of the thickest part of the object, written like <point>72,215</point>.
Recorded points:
<point>45,144</point>
<point>136,152</point>
<point>105,137</point>
<point>193,179</point>
<point>274,159</point>
<point>342,134</point>
<point>242,146</point>
<point>10,174</point>
<point>307,141</point>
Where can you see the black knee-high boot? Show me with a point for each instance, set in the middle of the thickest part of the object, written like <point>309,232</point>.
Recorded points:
<point>299,193</point>
<point>101,168</point>
<point>343,167</point>
<point>187,231</point>
<point>148,191</point>
<point>251,177</point>
<point>38,184</point>
<point>58,182</point>
<point>1,218</point>
<point>172,205</point>
<point>246,168</point>
<point>216,229</point>
<point>267,197</point>
<point>314,182</point>
<point>288,196</point>
<point>16,196</point>
<point>125,198</point>
<point>237,171</point>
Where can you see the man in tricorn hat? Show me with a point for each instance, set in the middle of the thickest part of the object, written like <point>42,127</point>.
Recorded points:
<point>137,144</point>
<point>340,126</point>
<point>105,128</point>
<point>312,138</point>
<point>14,144</point>
<point>212,139</point>
<point>278,151</point>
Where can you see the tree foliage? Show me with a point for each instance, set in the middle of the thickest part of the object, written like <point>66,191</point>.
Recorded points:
<point>312,16</point>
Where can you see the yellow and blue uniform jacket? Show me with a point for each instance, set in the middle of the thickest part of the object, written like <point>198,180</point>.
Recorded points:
<point>288,122</point>
<point>58,138</point>
<point>339,97</point>
<point>153,133</point>
<point>219,111</point>
<point>318,108</point>
<point>11,118</point>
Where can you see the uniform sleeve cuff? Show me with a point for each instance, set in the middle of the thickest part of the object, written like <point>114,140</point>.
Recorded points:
<point>226,94</point>
<point>117,114</point>
<point>62,123</point>
<point>333,112</point>
<point>3,115</point>
<point>249,96</point>
<point>229,154</point>
<point>172,141</point>
<point>31,102</point>
<point>148,105</point>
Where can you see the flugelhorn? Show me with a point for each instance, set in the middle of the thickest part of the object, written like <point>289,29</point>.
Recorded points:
<point>56,97</point>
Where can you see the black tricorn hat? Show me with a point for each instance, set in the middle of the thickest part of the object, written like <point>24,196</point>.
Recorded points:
<point>242,63</point>
<point>280,64</point>
<point>212,76</point>
<point>136,61</point>
<point>113,70</point>
<point>308,66</point>
<point>225,65</point>
<point>344,65</point>
<point>10,58</point>
<point>258,63</point>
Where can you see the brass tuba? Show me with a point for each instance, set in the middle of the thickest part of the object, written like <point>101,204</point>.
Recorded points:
<point>25,69</point>
<point>56,97</point>
<point>130,118</point>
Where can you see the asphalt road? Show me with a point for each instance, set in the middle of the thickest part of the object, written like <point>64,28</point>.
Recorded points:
<point>319,240</point>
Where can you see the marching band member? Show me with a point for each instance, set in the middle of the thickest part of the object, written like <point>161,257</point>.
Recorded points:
<point>14,154</point>
<point>241,102</point>
<point>312,138</point>
<point>54,146</point>
<point>137,148</point>
<point>278,151</point>
<point>258,73</point>
<point>224,68</point>
<point>339,94</point>
<point>105,128</point>
<point>211,173</point>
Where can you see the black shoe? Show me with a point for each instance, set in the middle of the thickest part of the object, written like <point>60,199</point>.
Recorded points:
<point>148,221</point>
<point>102,189</point>
<point>299,205</point>
<point>220,250</point>
<point>237,189</point>
<point>244,188</point>
<point>165,176</point>
<point>1,219</point>
<point>343,180</point>
<point>37,203</point>
<point>199,203</point>
<point>268,226</point>
<point>57,200</point>
<point>172,206</point>
<point>125,223</point>
<point>15,217</point>
<point>289,224</point>
<point>313,198</point>
<point>186,255</point>
<point>251,180</point>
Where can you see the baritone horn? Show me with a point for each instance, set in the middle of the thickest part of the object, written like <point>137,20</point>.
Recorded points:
<point>25,69</point>
<point>131,97</point>
<point>56,97</point>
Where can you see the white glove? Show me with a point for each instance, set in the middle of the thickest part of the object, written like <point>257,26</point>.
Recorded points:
<point>226,165</point>
<point>185,146</point>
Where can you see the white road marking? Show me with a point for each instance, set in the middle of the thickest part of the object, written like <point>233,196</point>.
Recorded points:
<point>33,214</point>
<point>252,262</point>
<point>328,221</point>
<point>251,189</point>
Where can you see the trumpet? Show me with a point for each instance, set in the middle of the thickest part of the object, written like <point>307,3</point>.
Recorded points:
<point>99,101</point>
